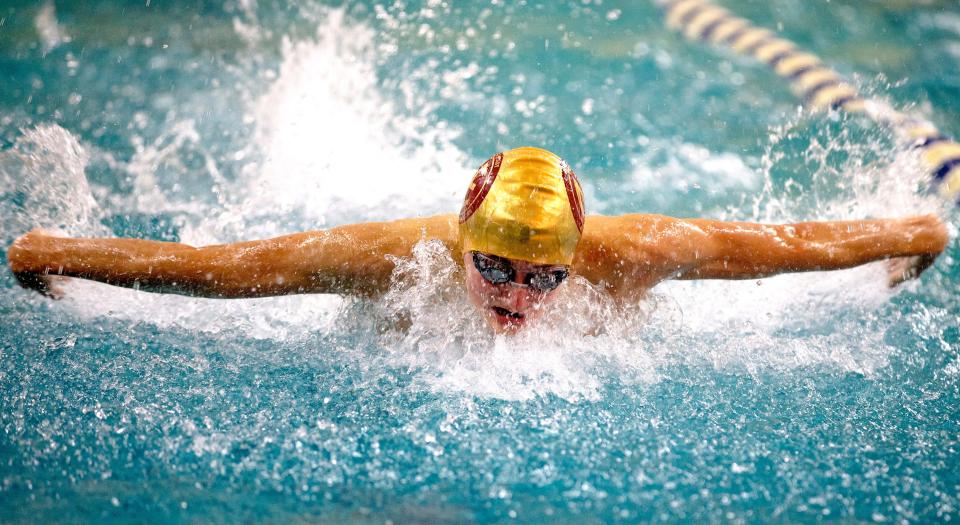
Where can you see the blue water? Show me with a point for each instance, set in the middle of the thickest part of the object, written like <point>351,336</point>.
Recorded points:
<point>818,397</point>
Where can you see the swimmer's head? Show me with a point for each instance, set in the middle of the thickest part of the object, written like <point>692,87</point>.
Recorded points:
<point>520,225</point>
<point>524,204</point>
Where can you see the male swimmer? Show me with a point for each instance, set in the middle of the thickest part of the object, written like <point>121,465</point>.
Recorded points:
<point>520,234</point>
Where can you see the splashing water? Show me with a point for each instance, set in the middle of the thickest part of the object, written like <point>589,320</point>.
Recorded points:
<point>43,177</point>
<point>317,124</point>
<point>795,398</point>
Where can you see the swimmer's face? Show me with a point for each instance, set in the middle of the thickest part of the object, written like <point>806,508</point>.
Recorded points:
<point>509,292</point>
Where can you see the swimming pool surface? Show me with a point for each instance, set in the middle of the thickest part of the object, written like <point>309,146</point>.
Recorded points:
<point>816,397</point>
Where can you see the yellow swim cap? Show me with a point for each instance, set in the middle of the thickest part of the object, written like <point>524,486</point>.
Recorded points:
<point>524,204</point>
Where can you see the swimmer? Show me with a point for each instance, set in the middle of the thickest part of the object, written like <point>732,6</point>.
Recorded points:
<point>520,235</point>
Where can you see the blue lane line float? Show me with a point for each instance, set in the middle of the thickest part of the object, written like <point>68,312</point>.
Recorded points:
<point>817,85</point>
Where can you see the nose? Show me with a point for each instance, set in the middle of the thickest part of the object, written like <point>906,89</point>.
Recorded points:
<point>519,297</point>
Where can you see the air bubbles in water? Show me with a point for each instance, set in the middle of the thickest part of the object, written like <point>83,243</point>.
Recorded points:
<point>48,29</point>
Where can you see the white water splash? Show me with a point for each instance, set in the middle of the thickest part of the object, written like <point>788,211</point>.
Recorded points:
<point>692,165</point>
<point>43,177</point>
<point>876,179</point>
<point>584,338</point>
<point>276,318</point>
<point>167,152</point>
<point>445,338</point>
<point>48,29</point>
<point>665,173</point>
<point>336,149</point>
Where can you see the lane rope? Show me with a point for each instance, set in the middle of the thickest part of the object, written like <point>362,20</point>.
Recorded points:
<point>816,84</point>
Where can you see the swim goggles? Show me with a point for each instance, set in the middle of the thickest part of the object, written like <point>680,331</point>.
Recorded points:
<point>496,270</point>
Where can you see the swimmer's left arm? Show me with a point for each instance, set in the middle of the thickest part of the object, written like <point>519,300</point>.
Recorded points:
<point>736,250</point>
<point>633,252</point>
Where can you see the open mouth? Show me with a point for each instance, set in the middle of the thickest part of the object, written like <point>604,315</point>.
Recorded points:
<point>503,312</point>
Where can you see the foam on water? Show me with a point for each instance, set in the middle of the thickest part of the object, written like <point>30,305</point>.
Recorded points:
<point>579,342</point>
<point>329,147</point>
<point>774,325</point>
<point>335,149</point>
<point>799,397</point>
<point>332,149</point>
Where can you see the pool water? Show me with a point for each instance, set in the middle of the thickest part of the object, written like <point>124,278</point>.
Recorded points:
<point>815,397</point>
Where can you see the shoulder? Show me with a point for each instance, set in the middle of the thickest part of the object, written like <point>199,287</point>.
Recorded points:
<point>636,234</point>
<point>618,226</point>
<point>629,253</point>
<point>397,237</point>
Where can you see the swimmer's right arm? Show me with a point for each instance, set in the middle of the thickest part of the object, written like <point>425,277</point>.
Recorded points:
<point>351,259</point>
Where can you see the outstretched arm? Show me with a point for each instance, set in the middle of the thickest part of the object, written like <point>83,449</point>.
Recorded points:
<point>634,252</point>
<point>350,259</point>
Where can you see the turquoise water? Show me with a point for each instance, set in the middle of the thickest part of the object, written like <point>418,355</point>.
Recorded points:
<point>818,397</point>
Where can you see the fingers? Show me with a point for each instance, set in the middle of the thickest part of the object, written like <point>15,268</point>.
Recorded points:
<point>904,269</point>
<point>898,271</point>
<point>47,285</point>
<point>55,289</point>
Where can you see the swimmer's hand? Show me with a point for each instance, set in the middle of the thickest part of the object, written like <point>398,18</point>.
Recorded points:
<point>903,269</point>
<point>18,259</point>
<point>48,285</point>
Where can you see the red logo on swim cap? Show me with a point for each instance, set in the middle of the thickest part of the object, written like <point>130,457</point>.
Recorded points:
<point>480,186</point>
<point>574,193</point>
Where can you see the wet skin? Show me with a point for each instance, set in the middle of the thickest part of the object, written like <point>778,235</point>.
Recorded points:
<point>510,306</point>
<point>624,255</point>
